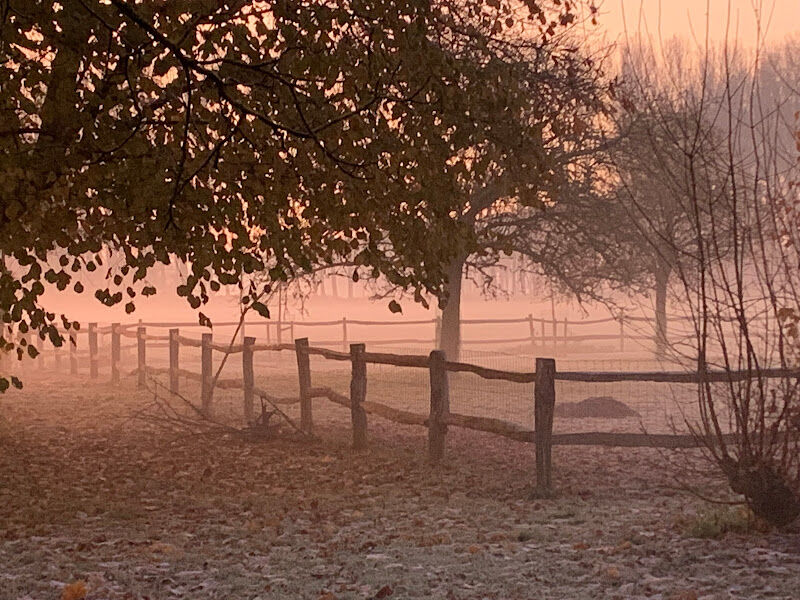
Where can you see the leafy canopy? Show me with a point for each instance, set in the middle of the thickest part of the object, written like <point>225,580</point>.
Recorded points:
<point>239,134</point>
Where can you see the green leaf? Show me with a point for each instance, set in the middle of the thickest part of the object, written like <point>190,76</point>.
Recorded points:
<point>395,307</point>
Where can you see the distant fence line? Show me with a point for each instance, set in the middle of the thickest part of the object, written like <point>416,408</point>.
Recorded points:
<point>542,332</point>
<point>439,416</point>
<point>550,332</point>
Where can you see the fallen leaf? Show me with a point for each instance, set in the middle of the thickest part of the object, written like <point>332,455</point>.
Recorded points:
<point>164,549</point>
<point>580,546</point>
<point>74,591</point>
<point>384,592</point>
<point>622,546</point>
<point>683,595</point>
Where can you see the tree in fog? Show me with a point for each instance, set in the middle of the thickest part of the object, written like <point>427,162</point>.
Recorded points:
<point>662,139</point>
<point>511,190</point>
<point>739,279</point>
<point>510,199</point>
<point>221,133</point>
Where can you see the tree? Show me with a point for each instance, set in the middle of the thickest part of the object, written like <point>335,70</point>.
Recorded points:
<point>531,167</point>
<point>738,279</point>
<point>221,133</point>
<point>656,127</point>
<point>653,181</point>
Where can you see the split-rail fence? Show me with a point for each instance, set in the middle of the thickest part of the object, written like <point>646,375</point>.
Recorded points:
<point>439,415</point>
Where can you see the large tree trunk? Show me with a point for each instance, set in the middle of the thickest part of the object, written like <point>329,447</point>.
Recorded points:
<point>662,278</point>
<point>450,331</point>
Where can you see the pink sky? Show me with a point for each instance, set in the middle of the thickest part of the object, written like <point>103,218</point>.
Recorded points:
<point>689,17</point>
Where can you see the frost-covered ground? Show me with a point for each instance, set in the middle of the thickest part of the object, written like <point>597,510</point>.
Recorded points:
<point>90,493</point>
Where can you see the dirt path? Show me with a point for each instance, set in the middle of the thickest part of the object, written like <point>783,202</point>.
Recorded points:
<point>87,493</point>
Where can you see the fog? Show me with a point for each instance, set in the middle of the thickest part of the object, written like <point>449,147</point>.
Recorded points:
<point>399,299</point>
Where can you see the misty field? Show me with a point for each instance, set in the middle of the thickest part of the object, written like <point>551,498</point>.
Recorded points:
<point>97,496</point>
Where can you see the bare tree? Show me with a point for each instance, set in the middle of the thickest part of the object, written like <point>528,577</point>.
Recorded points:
<point>739,279</point>
<point>656,126</point>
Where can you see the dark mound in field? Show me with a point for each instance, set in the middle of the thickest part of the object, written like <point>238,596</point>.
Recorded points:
<point>599,407</point>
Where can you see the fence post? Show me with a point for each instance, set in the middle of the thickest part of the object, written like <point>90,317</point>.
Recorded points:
<point>173,361</point>
<point>437,340</point>
<point>248,378</point>
<point>344,334</point>
<point>358,393</point>
<point>93,350</point>
<point>141,354</point>
<point>100,344</point>
<point>24,342</point>
<point>73,357</point>
<point>304,375</point>
<point>544,402</point>
<point>532,331</point>
<point>206,375</point>
<point>566,340</point>
<point>57,356</point>
<point>5,358</point>
<point>115,352</point>
<point>30,340</point>
<point>440,405</point>
<point>622,331</point>
<point>38,362</point>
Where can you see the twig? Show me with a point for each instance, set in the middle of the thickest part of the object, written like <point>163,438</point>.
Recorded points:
<point>203,418</point>
<point>286,417</point>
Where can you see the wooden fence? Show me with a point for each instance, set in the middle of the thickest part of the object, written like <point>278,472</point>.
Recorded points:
<point>548,332</point>
<point>439,416</point>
